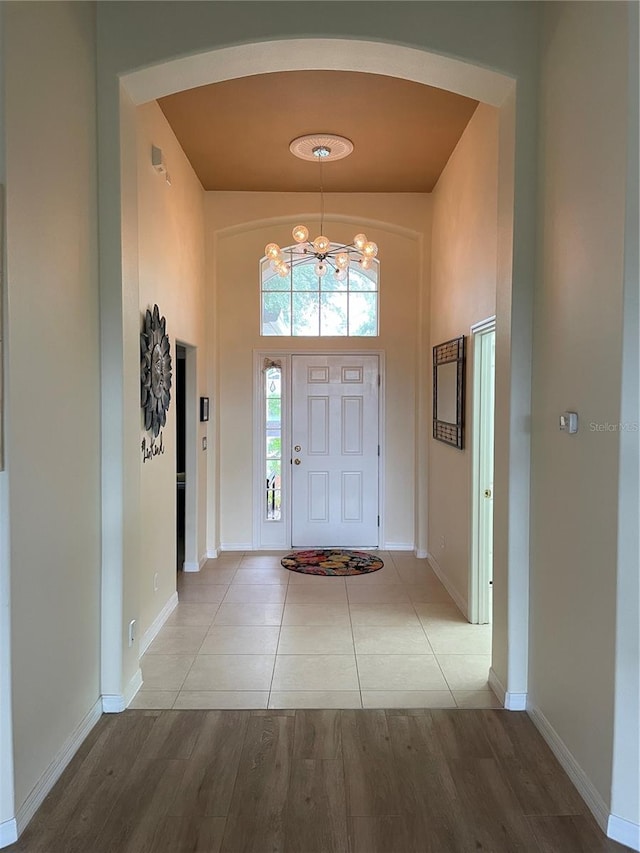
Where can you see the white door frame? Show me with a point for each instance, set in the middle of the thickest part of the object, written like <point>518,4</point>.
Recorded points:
<point>479,610</point>
<point>261,538</point>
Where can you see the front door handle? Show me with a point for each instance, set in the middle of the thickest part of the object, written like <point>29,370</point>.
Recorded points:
<point>296,461</point>
<point>487,493</point>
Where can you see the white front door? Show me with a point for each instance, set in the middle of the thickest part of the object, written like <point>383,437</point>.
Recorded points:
<point>334,451</point>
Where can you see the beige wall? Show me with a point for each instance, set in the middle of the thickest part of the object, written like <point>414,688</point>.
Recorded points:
<point>53,373</point>
<point>577,366</point>
<point>463,292</point>
<point>171,274</point>
<point>239,225</point>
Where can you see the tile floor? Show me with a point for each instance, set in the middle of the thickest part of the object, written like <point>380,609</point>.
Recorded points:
<point>249,634</point>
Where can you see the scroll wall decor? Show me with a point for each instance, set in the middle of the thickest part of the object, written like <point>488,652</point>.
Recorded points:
<point>155,379</point>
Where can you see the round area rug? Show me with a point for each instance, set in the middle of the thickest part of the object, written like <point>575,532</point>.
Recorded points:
<point>332,561</point>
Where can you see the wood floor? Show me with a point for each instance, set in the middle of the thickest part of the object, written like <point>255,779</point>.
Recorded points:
<point>354,781</point>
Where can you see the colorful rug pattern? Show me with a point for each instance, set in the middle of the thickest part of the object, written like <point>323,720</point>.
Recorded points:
<point>332,562</point>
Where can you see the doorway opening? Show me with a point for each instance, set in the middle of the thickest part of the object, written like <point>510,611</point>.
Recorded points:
<point>181,453</point>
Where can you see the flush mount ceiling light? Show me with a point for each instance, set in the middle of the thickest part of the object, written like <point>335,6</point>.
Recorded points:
<point>327,257</point>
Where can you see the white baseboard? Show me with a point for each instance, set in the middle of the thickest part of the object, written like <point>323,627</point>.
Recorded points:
<point>583,784</point>
<point>8,832</point>
<point>421,554</point>
<point>114,703</point>
<point>132,687</point>
<point>497,686</point>
<point>398,546</point>
<point>236,546</point>
<point>624,831</point>
<point>213,553</point>
<point>152,631</point>
<point>193,566</point>
<point>510,701</point>
<point>453,592</point>
<point>55,769</point>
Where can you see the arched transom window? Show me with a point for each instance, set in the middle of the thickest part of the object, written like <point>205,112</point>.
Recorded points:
<point>305,304</point>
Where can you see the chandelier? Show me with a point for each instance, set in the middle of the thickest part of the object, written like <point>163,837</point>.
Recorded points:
<point>328,258</point>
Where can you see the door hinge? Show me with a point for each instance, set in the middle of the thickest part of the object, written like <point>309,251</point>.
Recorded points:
<point>378,450</point>
<point>378,521</point>
<point>378,380</point>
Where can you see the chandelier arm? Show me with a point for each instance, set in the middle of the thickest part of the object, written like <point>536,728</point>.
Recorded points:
<point>348,247</point>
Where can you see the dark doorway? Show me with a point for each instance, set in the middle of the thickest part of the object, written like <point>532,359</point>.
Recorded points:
<point>181,477</point>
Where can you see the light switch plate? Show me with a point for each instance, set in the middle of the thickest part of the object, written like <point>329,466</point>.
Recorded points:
<point>569,422</point>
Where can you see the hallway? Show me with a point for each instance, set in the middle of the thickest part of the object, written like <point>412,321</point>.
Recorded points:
<point>249,634</point>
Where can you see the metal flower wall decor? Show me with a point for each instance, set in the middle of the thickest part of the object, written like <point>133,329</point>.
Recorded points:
<point>155,371</point>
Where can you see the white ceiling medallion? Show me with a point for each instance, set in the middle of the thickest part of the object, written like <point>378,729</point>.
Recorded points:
<point>321,146</point>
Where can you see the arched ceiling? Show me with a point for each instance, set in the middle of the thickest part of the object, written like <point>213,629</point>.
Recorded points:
<point>236,133</point>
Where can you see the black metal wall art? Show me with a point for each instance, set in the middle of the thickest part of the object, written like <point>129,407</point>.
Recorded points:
<point>155,371</point>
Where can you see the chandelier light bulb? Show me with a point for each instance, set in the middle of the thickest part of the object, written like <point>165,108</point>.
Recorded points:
<point>321,244</point>
<point>340,274</point>
<point>366,262</point>
<point>370,249</point>
<point>300,234</point>
<point>359,241</point>
<point>283,270</point>
<point>272,250</point>
<point>320,269</point>
<point>342,260</point>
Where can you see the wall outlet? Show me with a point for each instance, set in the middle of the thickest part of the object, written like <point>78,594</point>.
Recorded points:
<point>443,543</point>
<point>156,582</point>
<point>132,631</point>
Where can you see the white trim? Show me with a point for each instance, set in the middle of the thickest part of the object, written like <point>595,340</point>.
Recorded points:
<point>497,686</point>
<point>510,701</point>
<point>229,63</point>
<point>397,546</point>
<point>132,687</point>
<point>479,593</point>
<point>192,566</point>
<point>152,631</point>
<point>624,831</point>
<point>213,553</point>
<point>237,546</point>
<point>516,701</point>
<point>487,325</point>
<point>444,579</point>
<point>581,781</point>
<point>57,766</point>
<point>8,832</point>
<point>114,703</point>
<point>421,554</point>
